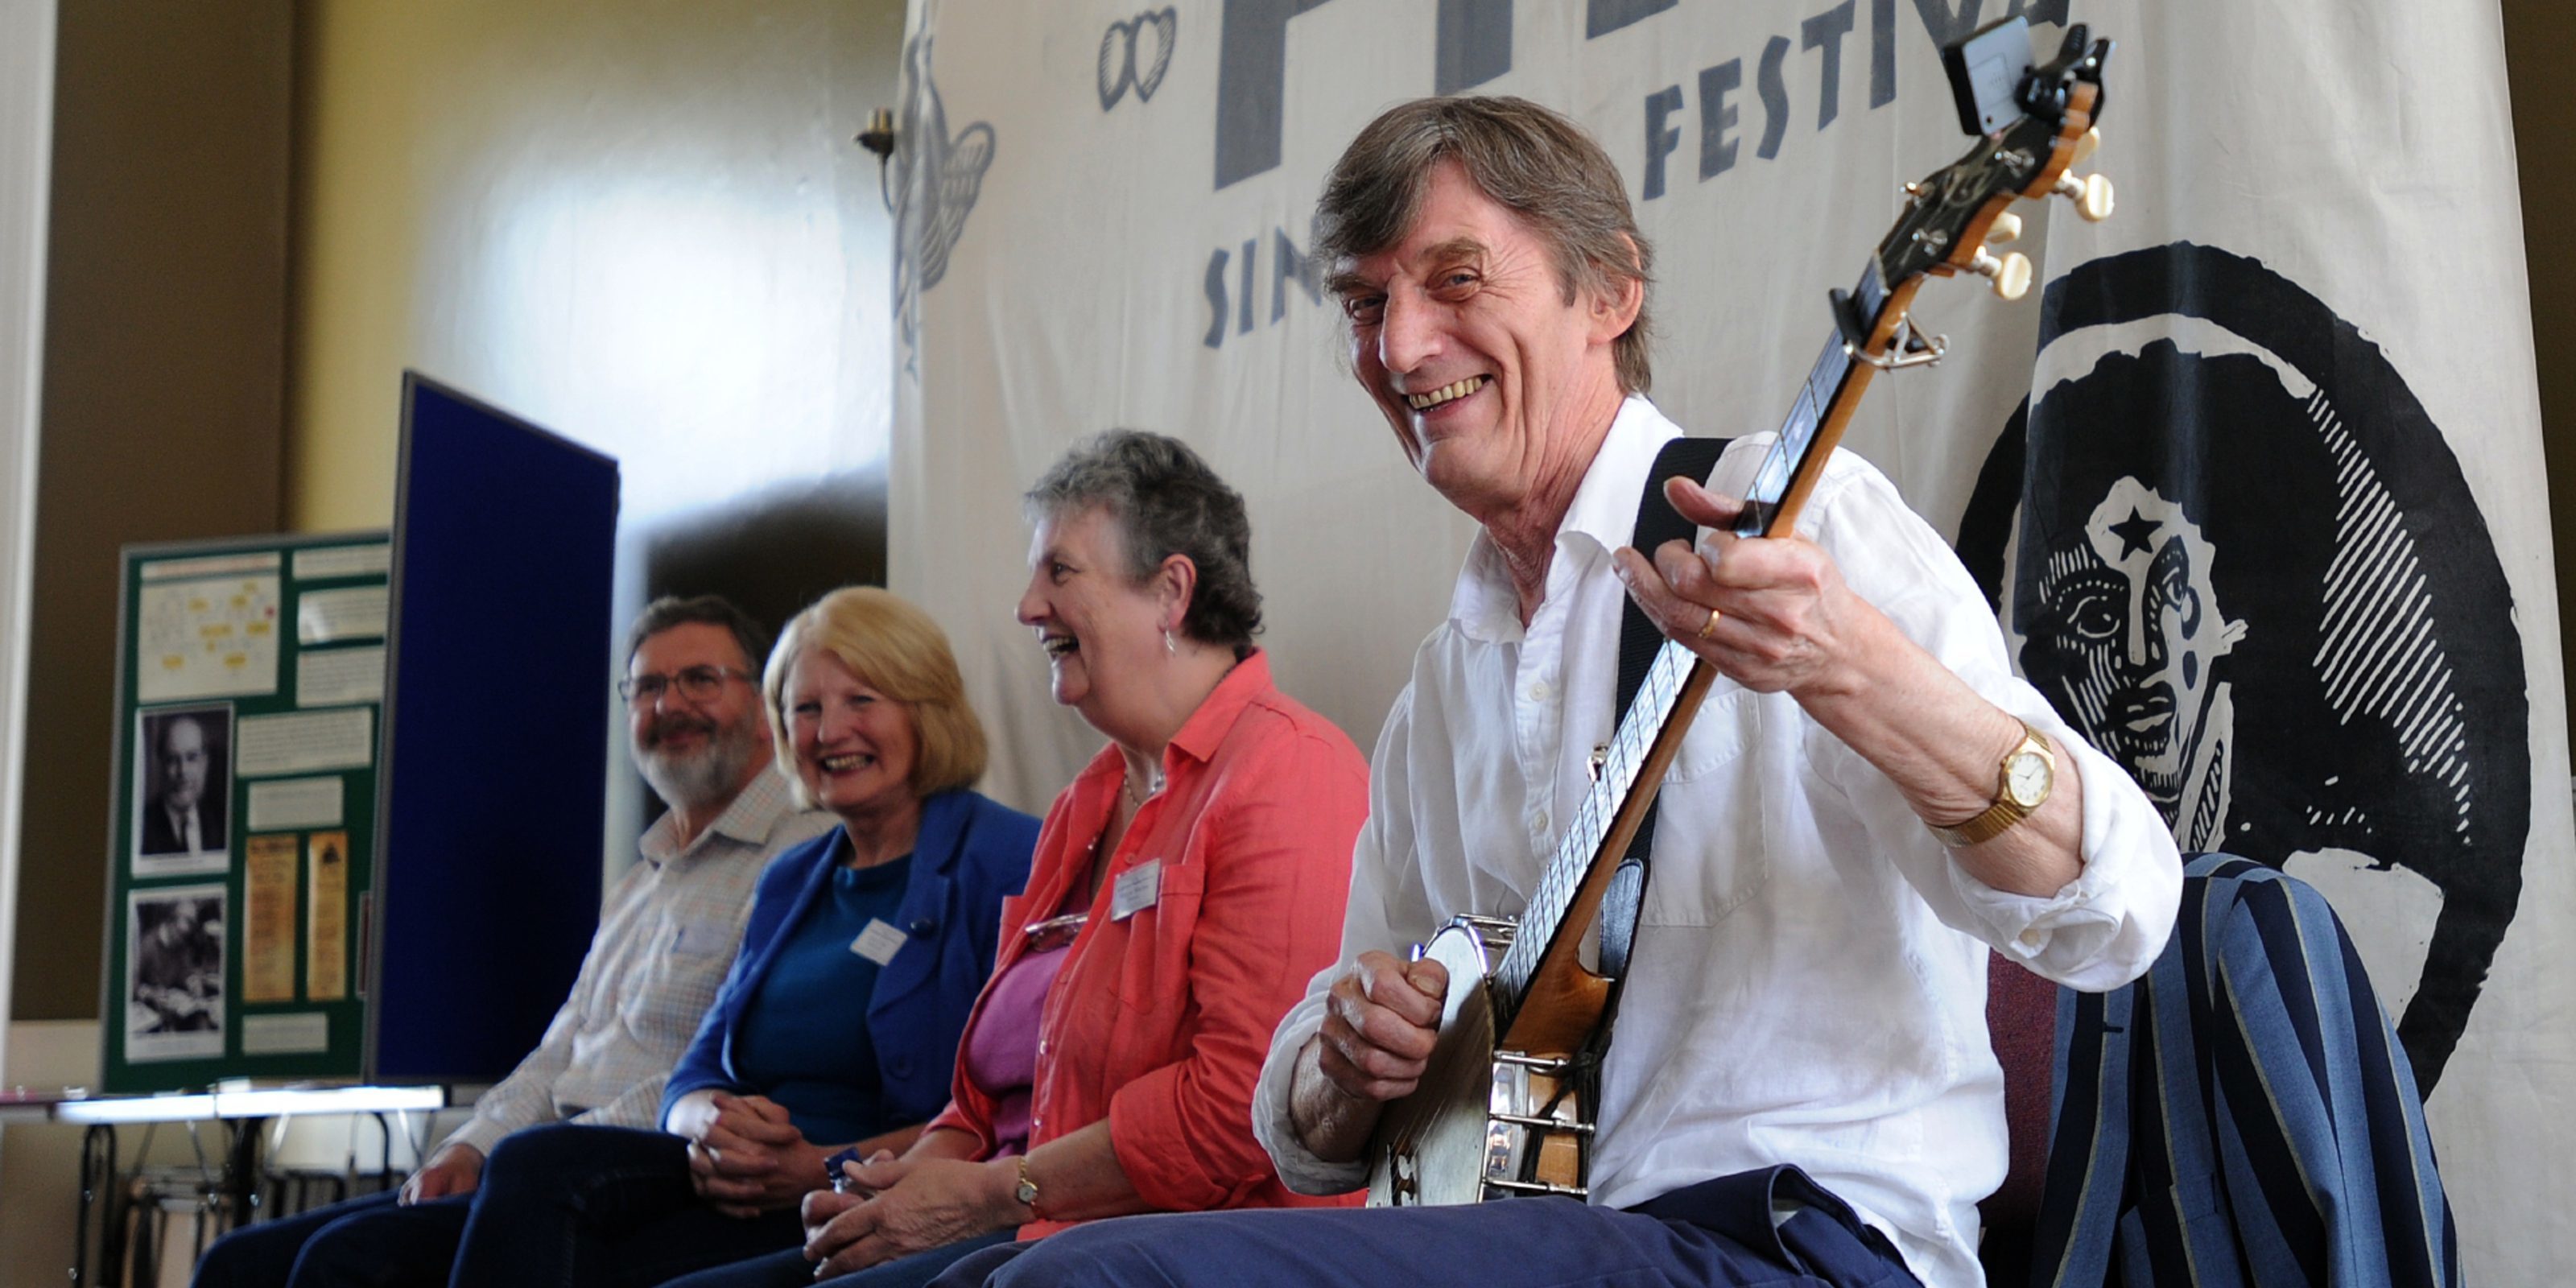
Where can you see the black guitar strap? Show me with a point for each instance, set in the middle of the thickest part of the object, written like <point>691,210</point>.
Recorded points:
<point>1639,641</point>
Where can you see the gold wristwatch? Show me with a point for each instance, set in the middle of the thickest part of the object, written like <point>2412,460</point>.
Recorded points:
<point>1027,1191</point>
<point>2023,781</point>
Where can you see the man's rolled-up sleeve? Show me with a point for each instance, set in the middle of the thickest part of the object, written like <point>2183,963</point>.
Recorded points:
<point>1273,1122</point>
<point>2106,927</point>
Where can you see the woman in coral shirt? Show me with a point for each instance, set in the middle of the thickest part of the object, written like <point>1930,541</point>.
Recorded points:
<point>1185,888</point>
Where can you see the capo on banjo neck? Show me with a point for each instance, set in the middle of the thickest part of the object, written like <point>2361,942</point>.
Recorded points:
<point>1907,348</point>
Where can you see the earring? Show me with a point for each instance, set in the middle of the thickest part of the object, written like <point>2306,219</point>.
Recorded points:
<point>1168,646</point>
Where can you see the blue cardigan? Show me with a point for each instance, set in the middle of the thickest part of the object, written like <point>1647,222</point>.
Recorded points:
<point>970,854</point>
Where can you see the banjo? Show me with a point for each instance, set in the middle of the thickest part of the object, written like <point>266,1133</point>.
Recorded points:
<point>1507,1103</point>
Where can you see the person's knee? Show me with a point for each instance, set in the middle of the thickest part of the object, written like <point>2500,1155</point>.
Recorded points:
<point>341,1257</point>
<point>1101,1254</point>
<point>539,1149</point>
<point>261,1255</point>
<point>542,1164</point>
<point>235,1259</point>
<point>385,1247</point>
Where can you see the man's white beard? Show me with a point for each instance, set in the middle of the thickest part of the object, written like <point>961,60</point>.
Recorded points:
<point>703,780</point>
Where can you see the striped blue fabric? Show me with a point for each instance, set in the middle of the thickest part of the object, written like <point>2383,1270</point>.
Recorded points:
<point>2243,1115</point>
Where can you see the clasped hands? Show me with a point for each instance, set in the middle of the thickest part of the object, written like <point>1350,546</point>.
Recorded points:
<point>899,1206</point>
<point>745,1157</point>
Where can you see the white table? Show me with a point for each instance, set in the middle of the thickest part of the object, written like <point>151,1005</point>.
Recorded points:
<point>243,1112</point>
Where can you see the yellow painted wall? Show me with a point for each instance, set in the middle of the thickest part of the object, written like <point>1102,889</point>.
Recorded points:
<point>642,224</point>
<point>357,202</point>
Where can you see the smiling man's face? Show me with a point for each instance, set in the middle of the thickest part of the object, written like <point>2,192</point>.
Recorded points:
<point>696,751</point>
<point>1493,376</point>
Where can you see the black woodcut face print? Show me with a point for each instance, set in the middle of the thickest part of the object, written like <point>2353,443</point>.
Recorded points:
<point>2127,628</point>
<point>2248,567</point>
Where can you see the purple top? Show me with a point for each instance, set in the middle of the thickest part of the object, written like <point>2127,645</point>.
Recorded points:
<point>1001,1051</point>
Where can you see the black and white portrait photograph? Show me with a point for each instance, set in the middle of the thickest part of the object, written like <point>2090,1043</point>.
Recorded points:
<point>174,970</point>
<point>182,791</point>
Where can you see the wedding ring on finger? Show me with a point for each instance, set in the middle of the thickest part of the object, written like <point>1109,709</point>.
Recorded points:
<point>1708,629</point>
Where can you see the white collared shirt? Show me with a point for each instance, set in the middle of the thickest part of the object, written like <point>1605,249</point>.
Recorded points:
<point>1809,978</point>
<point>667,934</point>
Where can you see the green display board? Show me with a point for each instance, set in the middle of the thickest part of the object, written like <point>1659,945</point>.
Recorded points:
<point>250,679</point>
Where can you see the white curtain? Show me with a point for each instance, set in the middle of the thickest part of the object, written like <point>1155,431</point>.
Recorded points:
<point>1103,221</point>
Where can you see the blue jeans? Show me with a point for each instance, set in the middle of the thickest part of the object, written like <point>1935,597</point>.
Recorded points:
<point>790,1269</point>
<point>602,1207</point>
<point>366,1242</point>
<point>1718,1232</point>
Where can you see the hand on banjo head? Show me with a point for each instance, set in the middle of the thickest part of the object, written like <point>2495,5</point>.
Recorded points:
<point>1770,613</point>
<point>1381,1022</point>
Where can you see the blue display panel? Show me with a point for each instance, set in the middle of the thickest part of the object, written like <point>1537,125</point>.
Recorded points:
<point>492,783</point>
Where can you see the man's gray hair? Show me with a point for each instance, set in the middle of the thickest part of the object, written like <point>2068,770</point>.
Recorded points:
<point>1164,501</point>
<point>711,610</point>
<point>1529,160</point>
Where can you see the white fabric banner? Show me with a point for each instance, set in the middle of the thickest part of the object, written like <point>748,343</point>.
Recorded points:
<point>2286,443</point>
<point>1102,220</point>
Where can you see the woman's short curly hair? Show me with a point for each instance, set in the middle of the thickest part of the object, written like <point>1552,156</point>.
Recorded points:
<point>1164,501</point>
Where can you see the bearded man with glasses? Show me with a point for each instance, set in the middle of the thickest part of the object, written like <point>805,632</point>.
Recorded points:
<point>667,933</point>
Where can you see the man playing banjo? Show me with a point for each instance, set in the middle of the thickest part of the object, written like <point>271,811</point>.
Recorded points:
<point>1801,1080</point>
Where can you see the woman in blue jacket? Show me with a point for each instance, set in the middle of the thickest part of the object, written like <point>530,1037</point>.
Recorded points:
<point>839,1023</point>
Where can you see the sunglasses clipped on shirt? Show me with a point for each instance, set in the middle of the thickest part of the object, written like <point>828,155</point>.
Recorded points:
<point>1054,932</point>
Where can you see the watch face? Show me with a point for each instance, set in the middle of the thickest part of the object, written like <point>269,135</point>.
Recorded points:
<point>2026,778</point>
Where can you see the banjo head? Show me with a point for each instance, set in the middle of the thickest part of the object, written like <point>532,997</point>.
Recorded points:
<point>1430,1146</point>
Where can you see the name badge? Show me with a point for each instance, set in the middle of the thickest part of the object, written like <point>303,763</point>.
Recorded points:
<point>879,942</point>
<point>1136,890</point>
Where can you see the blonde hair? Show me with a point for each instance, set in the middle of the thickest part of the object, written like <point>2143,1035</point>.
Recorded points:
<point>894,648</point>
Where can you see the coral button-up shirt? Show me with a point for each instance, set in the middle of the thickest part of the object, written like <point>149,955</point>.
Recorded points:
<point>1160,1018</point>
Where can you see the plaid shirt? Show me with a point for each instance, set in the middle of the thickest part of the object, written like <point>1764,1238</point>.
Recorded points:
<point>667,934</point>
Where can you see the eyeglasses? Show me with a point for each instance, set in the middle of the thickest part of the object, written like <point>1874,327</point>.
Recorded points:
<point>696,683</point>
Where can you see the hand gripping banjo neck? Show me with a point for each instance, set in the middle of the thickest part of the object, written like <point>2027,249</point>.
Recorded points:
<point>1505,1106</point>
